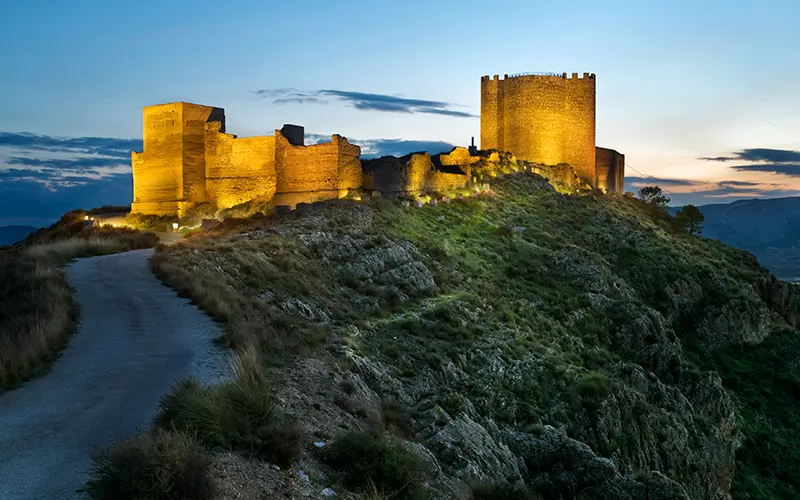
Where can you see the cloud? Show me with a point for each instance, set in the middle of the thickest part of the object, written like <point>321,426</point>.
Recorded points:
<point>697,192</point>
<point>788,169</point>
<point>760,155</point>
<point>657,181</point>
<point>374,148</point>
<point>773,161</point>
<point>363,101</point>
<point>105,146</point>
<point>42,177</point>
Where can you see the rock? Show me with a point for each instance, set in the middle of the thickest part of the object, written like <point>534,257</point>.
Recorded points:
<point>558,466</point>
<point>467,451</point>
<point>300,308</point>
<point>413,277</point>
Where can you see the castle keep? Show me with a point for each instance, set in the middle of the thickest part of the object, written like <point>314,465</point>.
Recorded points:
<point>549,119</point>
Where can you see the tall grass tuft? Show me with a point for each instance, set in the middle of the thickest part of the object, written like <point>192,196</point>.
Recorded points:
<point>240,414</point>
<point>153,466</point>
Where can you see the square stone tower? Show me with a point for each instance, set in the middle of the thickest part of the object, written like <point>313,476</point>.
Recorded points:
<point>169,175</point>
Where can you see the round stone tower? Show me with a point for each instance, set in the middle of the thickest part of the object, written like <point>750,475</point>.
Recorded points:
<point>542,118</point>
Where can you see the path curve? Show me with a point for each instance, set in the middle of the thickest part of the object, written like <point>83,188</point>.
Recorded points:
<point>135,338</point>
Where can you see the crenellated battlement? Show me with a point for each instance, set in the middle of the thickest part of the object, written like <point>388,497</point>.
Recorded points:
<point>530,75</point>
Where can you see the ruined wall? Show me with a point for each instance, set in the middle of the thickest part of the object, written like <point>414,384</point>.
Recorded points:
<point>459,157</point>
<point>547,119</point>
<point>238,169</point>
<point>612,163</point>
<point>350,176</point>
<point>306,174</point>
<point>411,174</point>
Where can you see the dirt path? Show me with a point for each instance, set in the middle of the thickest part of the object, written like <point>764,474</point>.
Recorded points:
<point>136,337</point>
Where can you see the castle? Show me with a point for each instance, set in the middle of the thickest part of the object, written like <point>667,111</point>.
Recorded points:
<point>189,159</point>
<point>549,118</point>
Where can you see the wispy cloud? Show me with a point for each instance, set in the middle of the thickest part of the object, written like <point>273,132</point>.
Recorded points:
<point>760,154</point>
<point>374,148</point>
<point>364,101</point>
<point>773,161</point>
<point>59,162</point>
<point>105,146</point>
<point>701,191</point>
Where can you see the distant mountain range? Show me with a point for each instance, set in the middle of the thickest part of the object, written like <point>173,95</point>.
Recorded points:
<point>12,234</point>
<point>768,228</point>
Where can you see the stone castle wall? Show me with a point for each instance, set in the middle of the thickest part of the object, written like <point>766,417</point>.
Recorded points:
<point>189,159</point>
<point>547,119</point>
<point>417,173</point>
<point>610,170</point>
<point>238,169</point>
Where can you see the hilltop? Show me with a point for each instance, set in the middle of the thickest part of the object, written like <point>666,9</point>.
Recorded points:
<point>521,343</point>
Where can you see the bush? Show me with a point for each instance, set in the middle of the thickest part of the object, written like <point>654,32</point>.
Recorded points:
<point>153,466</point>
<point>373,461</point>
<point>237,415</point>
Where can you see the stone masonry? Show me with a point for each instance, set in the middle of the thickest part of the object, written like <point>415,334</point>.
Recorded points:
<point>189,159</point>
<point>547,119</point>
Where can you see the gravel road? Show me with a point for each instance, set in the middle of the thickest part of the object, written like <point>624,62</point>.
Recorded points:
<point>135,338</point>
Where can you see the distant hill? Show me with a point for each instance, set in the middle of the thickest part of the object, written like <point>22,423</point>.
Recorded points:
<point>12,234</point>
<point>753,224</point>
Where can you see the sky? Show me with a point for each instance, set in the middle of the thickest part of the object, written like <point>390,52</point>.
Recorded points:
<point>701,96</point>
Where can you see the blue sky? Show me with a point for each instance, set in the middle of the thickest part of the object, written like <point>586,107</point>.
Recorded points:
<point>676,82</point>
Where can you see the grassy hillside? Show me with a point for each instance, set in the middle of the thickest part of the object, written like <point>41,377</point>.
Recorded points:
<point>37,310</point>
<point>519,344</point>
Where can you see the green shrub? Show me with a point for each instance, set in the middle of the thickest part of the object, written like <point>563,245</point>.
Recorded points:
<point>154,466</point>
<point>237,415</point>
<point>594,385</point>
<point>372,459</point>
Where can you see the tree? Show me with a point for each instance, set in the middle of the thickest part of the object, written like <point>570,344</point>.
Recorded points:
<point>690,219</point>
<point>653,196</point>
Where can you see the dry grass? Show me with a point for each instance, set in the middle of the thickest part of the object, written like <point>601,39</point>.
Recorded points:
<point>37,310</point>
<point>37,314</point>
<point>66,250</point>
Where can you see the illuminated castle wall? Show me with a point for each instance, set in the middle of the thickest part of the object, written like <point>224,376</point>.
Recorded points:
<point>189,159</point>
<point>547,119</point>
